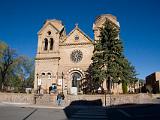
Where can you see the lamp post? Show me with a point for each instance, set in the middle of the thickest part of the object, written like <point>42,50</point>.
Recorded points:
<point>105,97</point>
<point>140,86</point>
<point>110,85</point>
<point>62,81</point>
<point>37,83</point>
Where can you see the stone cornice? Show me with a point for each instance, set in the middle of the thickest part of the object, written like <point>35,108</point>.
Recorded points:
<point>46,58</point>
<point>69,44</point>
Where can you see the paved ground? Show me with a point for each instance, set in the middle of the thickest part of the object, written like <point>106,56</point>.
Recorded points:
<point>135,112</point>
<point>73,112</point>
<point>17,112</point>
<point>86,113</point>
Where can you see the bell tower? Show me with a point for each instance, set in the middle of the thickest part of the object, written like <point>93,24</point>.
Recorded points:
<point>100,20</point>
<point>50,36</point>
<point>47,57</point>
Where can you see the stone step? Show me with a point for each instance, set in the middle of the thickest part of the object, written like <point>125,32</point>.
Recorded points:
<point>88,117</point>
<point>97,114</point>
<point>92,111</point>
<point>87,114</point>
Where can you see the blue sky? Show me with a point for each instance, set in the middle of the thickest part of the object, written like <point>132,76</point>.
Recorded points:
<point>20,20</point>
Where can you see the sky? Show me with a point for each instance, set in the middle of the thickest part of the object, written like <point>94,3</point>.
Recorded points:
<point>20,20</point>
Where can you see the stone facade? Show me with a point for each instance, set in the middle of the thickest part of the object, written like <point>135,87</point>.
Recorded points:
<point>153,81</point>
<point>64,59</point>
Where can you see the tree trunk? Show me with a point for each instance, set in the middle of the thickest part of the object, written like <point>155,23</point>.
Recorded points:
<point>2,87</point>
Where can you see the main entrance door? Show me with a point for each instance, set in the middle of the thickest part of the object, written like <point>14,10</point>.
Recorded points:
<point>76,82</point>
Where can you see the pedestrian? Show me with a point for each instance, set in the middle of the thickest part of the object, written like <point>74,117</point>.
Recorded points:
<point>39,89</point>
<point>59,99</point>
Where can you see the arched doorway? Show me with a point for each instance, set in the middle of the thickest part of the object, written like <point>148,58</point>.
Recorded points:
<point>76,82</point>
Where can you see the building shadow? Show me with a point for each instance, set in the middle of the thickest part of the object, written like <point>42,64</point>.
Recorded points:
<point>97,102</point>
<point>147,111</point>
<point>77,105</point>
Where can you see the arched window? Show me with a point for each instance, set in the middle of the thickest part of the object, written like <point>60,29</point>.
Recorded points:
<point>43,74</point>
<point>49,32</point>
<point>49,75</point>
<point>51,43</point>
<point>45,44</point>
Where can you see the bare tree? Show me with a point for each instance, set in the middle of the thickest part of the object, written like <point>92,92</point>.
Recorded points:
<point>6,61</point>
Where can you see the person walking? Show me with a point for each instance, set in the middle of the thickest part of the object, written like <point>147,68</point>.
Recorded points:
<point>59,99</point>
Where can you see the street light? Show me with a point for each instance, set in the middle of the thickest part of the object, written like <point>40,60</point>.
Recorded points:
<point>110,85</point>
<point>140,87</point>
<point>37,82</point>
<point>62,81</point>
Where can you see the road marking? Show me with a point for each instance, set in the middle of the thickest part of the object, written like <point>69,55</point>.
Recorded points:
<point>29,114</point>
<point>124,113</point>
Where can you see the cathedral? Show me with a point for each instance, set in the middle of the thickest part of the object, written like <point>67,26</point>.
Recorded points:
<point>62,60</point>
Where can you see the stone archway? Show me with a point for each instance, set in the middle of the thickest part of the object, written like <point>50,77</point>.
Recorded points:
<point>76,81</point>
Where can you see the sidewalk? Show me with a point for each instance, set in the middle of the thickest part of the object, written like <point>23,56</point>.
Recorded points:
<point>30,105</point>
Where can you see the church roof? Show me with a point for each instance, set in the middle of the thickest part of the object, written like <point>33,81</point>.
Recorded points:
<point>77,28</point>
<point>57,24</point>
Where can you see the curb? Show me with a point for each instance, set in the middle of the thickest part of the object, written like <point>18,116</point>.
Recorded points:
<point>30,105</point>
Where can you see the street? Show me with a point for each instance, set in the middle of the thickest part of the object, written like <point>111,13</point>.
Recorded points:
<point>16,112</point>
<point>135,112</point>
<point>73,112</point>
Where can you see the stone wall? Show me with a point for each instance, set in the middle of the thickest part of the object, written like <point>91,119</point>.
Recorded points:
<point>51,99</point>
<point>17,98</point>
<point>113,99</point>
<point>108,100</point>
<point>45,99</point>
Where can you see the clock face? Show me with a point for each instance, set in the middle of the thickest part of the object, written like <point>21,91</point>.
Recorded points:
<point>76,56</point>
